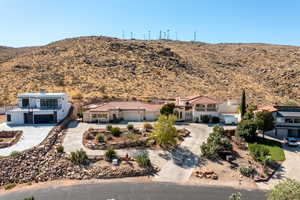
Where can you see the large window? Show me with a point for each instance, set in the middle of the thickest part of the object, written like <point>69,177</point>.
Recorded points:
<point>211,107</point>
<point>25,102</point>
<point>200,107</point>
<point>49,103</point>
<point>8,118</point>
<point>297,120</point>
<point>100,116</point>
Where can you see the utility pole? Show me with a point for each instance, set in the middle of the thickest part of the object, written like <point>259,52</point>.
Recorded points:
<point>123,34</point>
<point>160,34</point>
<point>149,35</point>
<point>131,35</point>
<point>168,34</point>
<point>195,36</point>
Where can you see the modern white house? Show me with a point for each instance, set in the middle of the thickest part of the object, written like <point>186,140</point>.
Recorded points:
<point>193,108</point>
<point>39,108</point>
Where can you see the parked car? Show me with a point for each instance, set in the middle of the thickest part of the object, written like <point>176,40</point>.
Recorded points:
<point>291,141</point>
<point>230,120</point>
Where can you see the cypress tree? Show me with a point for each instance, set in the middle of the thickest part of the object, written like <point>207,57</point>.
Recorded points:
<point>243,104</point>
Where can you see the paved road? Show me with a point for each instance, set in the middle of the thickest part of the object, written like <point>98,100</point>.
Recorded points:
<point>132,191</point>
<point>32,136</point>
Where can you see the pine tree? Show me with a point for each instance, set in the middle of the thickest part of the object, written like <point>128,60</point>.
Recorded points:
<point>243,104</point>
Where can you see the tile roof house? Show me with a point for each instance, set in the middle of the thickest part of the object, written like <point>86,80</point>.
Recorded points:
<point>122,110</point>
<point>193,108</point>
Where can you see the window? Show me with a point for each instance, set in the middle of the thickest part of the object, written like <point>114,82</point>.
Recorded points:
<point>288,120</point>
<point>297,120</point>
<point>211,107</point>
<point>200,107</point>
<point>100,116</point>
<point>49,103</point>
<point>25,102</point>
<point>8,118</point>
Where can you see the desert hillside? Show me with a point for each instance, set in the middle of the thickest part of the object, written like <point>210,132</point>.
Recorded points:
<point>102,66</point>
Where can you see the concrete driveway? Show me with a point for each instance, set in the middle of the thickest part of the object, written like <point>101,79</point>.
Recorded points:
<point>176,165</point>
<point>289,168</point>
<point>32,136</point>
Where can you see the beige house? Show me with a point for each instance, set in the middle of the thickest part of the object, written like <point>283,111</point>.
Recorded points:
<point>122,110</point>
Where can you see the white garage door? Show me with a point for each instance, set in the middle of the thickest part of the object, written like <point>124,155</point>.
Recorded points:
<point>151,116</point>
<point>131,116</point>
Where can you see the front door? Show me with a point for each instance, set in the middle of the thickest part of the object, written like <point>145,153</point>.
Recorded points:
<point>28,118</point>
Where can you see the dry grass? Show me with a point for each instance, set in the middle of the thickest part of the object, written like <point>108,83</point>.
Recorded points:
<point>101,66</point>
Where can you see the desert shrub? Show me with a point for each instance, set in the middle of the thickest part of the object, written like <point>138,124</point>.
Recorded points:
<point>108,127</point>
<point>115,131</point>
<point>167,109</point>
<point>60,149</point>
<point>215,119</point>
<point>130,126</point>
<point>9,186</point>
<point>14,153</point>
<point>79,157</point>
<point>209,150</point>
<point>259,152</point>
<point>89,137</point>
<point>288,189</point>
<point>30,198</point>
<point>109,138</point>
<point>205,118</point>
<point>110,154</point>
<point>235,196</point>
<point>1,140</point>
<point>100,138</point>
<point>246,171</point>
<point>225,144</point>
<point>143,159</point>
<point>148,126</point>
<point>132,136</point>
<point>247,129</point>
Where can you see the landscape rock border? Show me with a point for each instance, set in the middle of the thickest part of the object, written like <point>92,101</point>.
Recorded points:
<point>14,135</point>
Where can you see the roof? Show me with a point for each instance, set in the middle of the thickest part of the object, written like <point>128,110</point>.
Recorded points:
<point>288,108</point>
<point>203,100</point>
<point>266,108</point>
<point>288,114</point>
<point>126,105</point>
<point>41,95</point>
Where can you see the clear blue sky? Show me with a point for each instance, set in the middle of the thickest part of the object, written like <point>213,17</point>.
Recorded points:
<point>38,22</point>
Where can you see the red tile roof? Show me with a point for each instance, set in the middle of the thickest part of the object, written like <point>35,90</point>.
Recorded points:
<point>266,108</point>
<point>203,100</point>
<point>127,105</point>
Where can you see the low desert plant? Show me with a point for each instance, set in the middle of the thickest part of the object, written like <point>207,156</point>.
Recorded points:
<point>1,140</point>
<point>259,152</point>
<point>79,157</point>
<point>246,171</point>
<point>132,136</point>
<point>89,137</point>
<point>108,127</point>
<point>148,126</point>
<point>9,186</point>
<point>143,159</point>
<point>100,138</point>
<point>60,149</point>
<point>109,138</point>
<point>110,154</point>
<point>30,198</point>
<point>130,127</point>
<point>14,153</point>
<point>115,131</point>
<point>235,196</point>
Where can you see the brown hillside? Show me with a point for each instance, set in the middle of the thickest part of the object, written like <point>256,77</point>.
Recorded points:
<point>100,66</point>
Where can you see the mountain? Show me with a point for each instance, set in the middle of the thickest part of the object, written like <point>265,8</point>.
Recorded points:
<point>101,66</point>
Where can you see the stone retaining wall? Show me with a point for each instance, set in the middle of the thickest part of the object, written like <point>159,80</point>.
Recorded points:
<point>13,135</point>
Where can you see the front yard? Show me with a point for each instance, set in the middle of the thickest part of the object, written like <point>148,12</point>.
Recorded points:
<point>274,147</point>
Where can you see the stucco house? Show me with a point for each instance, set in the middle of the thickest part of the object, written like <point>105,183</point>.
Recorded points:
<point>122,110</point>
<point>193,108</point>
<point>39,108</point>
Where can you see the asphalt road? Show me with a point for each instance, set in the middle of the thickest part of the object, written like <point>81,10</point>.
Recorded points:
<point>131,191</point>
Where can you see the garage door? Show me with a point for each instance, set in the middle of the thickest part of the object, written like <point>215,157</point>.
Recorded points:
<point>131,116</point>
<point>44,119</point>
<point>151,116</point>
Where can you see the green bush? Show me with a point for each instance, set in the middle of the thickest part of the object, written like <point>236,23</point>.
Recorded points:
<point>205,118</point>
<point>215,119</point>
<point>79,157</point>
<point>130,127</point>
<point>259,152</point>
<point>100,138</point>
<point>247,129</point>
<point>209,150</point>
<point>246,171</point>
<point>30,198</point>
<point>60,149</point>
<point>167,109</point>
<point>9,186</point>
<point>143,159</point>
<point>288,189</point>
<point>109,138</point>
<point>14,153</point>
<point>108,127</point>
<point>110,154</point>
<point>115,131</point>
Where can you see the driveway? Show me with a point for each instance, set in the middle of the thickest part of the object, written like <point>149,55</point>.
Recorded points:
<point>176,165</point>
<point>32,136</point>
<point>289,168</point>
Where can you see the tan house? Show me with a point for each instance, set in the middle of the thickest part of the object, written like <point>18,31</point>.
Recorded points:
<point>122,110</point>
<point>193,108</point>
